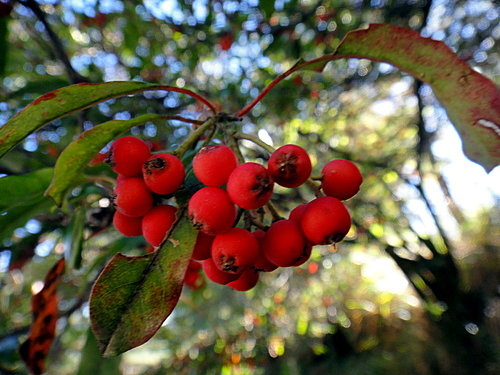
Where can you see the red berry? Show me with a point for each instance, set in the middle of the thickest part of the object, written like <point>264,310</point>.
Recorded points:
<point>126,225</point>
<point>341,179</point>
<point>193,278</point>
<point>289,166</point>
<point>133,198</point>
<point>235,250</point>
<point>127,154</point>
<point>203,246</point>
<point>284,243</point>
<point>250,186</point>
<point>157,222</point>
<point>213,164</point>
<point>246,281</point>
<point>211,210</point>
<point>215,274</point>
<point>297,212</point>
<point>325,221</point>
<point>305,255</point>
<point>163,173</point>
<point>262,263</point>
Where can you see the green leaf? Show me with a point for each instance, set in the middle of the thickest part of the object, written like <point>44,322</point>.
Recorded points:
<point>267,7</point>
<point>134,295</point>
<point>67,100</point>
<point>75,238</point>
<point>69,166</point>
<point>23,190</point>
<point>92,363</point>
<point>471,100</point>
<point>18,216</point>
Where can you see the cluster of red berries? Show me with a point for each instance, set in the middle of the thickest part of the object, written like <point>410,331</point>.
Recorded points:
<point>231,255</point>
<point>141,177</point>
<point>235,256</point>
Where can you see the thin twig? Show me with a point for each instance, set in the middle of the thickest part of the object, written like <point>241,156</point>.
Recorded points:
<point>255,140</point>
<point>193,138</point>
<point>74,76</point>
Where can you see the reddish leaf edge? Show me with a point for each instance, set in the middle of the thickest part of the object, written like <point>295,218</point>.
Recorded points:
<point>318,64</point>
<point>105,349</point>
<point>7,144</point>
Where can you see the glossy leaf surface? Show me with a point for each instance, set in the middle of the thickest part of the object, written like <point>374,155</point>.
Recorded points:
<point>134,295</point>
<point>73,160</point>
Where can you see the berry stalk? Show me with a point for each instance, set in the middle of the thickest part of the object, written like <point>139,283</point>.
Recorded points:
<point>193,138</point>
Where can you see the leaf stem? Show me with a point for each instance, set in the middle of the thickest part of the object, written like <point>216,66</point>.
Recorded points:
<point>274,212</point>
<point>193,138</point>
<point>187,92</point>
<point>183,119</point>
<point>268,88</point>
<point>232,142</point>
<point>255,140</point>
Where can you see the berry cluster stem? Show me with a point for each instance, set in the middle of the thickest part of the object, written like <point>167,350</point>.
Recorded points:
<point>193,138</point>
<point>255,140</point>
<point>232,142</point>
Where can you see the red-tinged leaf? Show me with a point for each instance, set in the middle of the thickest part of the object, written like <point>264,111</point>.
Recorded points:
<point>44,307</point>
<point>134,295</point>
<point>471,100</point>
<point>69,167</point>
<point>71,99</point>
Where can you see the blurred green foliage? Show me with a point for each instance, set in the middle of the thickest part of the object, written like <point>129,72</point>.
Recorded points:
<point>412,289</point>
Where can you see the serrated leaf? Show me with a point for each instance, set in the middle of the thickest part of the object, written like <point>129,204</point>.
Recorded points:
<point>24,190</point>
<point>134,295</point>
<point>69,166</point>
<point>68,100</point>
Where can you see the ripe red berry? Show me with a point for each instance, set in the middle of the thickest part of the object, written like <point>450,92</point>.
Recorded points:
<point>284,243</point>
<point>163,173</point>
<point>250,186</point>
<point>211,210</point>
<point>289,166</point>
<point>341,179</point>
<point>215,274</point>
<point>246,281</point>
<point>127,154</point>
<point>213,164</point>
<point>325,221</point>
<point>193,278</point>
<point>262,263</point>
<point>297,212</point>
<point>235,250</point>
<point>203,246</point>
<point>132,197</point>
<point>126,225</point>
<point>305,255</point>
<point>157,222</point>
